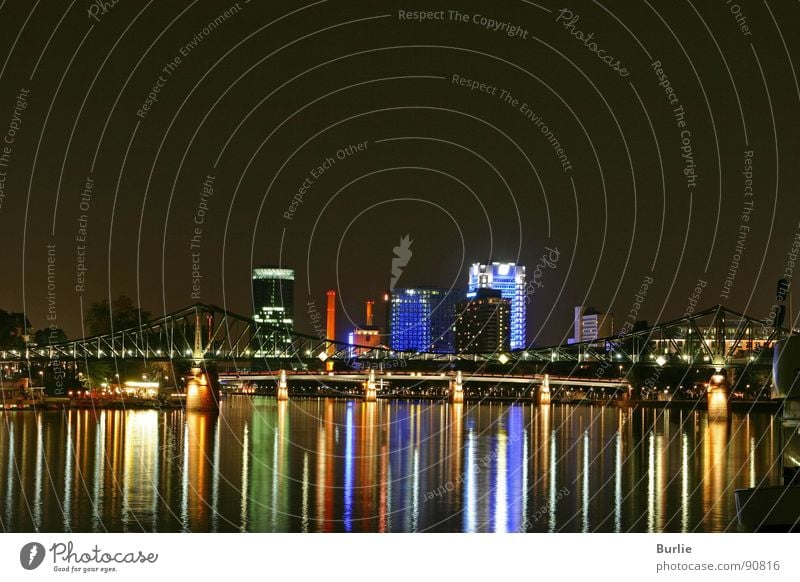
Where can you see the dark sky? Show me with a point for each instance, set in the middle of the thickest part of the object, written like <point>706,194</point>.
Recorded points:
<point>261,99</point>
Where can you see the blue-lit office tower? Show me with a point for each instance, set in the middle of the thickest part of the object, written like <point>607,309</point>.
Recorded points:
<point>421,319</point>
<point>509,279</point>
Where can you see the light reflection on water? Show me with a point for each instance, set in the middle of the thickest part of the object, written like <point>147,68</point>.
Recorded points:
<point>325,465</point>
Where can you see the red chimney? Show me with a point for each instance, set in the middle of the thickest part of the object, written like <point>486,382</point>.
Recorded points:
<point>370,305</point>
<point>331,321</point>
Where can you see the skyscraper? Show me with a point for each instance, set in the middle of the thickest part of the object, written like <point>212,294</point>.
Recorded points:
<point>590,324</point>
<point>421,319</point>
<point>482,325</point>
<point>509,279</point>
<point>273,305</point>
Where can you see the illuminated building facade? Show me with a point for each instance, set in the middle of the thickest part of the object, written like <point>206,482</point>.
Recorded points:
<point>483,323</point>
<point>366,338</point>
<point>273,305</point>
<point>363,340</point>
<point>421,319</point>
<point>590,324</point>
<point>509,279</point>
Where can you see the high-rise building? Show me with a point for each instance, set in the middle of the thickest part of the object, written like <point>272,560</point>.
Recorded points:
<point>590,324</point>
<point>421,319</point>
<point>483,323</point>
<point>509,279</point>
<point>273,305</point>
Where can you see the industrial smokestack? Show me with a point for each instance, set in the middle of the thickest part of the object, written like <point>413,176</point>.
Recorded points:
<point>370,305</point>
<point>387,313</point>
<point>330,332</point>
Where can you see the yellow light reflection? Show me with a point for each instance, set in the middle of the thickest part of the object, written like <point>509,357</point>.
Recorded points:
<point>714,482</point>
<point>140,461</point>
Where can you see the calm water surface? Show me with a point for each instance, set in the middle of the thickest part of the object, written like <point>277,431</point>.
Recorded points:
<point>391,466</point>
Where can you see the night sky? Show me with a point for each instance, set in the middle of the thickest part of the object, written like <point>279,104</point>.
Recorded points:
<point>619,157</point>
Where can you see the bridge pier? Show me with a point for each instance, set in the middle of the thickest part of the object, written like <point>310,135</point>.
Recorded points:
<point>371,391</point>
<point>457,389</point>
<point>282,392</point>
<point>202,391</point>
<point>623,398</point>
<point>718,397</point>
<point>543,395</point>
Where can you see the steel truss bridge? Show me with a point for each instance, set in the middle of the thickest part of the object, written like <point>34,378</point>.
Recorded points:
<point>714,337</point>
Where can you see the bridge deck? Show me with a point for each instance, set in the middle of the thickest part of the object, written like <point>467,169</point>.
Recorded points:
<point>419,377</point>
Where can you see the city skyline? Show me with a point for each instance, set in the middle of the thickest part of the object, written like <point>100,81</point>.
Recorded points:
<point>378,267</point>
<point>208,220</point>
<point>281,315</point>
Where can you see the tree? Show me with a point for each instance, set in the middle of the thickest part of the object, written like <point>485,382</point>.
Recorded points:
<point>48,336</point>
<point>12,328</point>
<point>158,371</point>
<point>122,312</point>
<point>98,372</point>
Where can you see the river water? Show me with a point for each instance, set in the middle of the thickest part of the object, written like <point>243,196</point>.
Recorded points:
<point>391,466</point>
